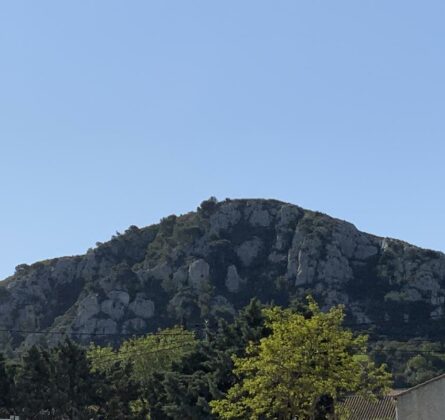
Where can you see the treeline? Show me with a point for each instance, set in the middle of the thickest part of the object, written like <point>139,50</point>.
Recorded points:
<point>172,374</point>
<point>268,363</point>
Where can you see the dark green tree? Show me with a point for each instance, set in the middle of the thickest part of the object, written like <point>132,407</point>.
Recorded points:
<point>56,383</point>
<point>34,389</point>
<point>6,388</point>
<point>205,374</point>
<point>117,393</point>
<point>73,383</point>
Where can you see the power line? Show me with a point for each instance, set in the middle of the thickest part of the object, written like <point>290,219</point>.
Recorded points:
<point>116,357</point>
<point>110,361</point>
<point>84,333</point>
<point>370,324</point>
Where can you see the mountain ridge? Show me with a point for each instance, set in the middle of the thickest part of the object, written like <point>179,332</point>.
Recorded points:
<point>209,263</point>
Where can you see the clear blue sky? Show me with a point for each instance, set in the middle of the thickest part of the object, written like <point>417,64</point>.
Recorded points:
<point>115,113</point>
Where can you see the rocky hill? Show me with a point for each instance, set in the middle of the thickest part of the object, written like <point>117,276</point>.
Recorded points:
<point>211,262</point>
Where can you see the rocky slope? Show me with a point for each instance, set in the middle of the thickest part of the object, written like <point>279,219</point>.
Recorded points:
<point>210,263</point>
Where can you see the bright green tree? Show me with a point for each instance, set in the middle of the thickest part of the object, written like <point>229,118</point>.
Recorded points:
<point>146,354</point>
<point>303,361</point>
<point>143,357</point>
<point>156,352</point>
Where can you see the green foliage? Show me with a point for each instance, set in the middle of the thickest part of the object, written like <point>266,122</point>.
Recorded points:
<point>139,360</point>
<point>6,388</point>
<point>145,354</point>
<point>206,373</point>
<point>412,362</point>
<point>22,269</point>
<point>317,226</point>
<point>118,394</point>
<point>420,368</point>
<point>156,352</point>
<point>34,390</point>
<point>287,373</point>
<point>60,384</point>
<point>267,363</point>
<point>184,305</point>
<point>167,225</point>
<point>55,383</point>
<point>208,207</point>
<point>72,380</point>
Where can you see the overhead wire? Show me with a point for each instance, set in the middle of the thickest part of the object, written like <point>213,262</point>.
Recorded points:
<point>206,325</point>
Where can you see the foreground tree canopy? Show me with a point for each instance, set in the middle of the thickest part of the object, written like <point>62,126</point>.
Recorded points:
<point>269,363</point>
<point>304,362</point>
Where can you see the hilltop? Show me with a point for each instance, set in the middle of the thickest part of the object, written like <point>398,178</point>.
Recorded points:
<point>209,263</point>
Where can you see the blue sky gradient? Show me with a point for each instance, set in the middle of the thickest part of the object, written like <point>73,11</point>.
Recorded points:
<point>117,113</point>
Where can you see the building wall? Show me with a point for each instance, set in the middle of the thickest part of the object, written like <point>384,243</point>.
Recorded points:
<point>426,402</point>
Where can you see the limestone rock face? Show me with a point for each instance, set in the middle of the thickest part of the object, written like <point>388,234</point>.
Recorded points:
<point>199,272</point>
<point>161,272</point>
<point>105,326</point>
<point>88,308</point>
<point>116,304</point>
<point>258,216</point>
<point>142,307</point>
<point>133,325</point>
<point>210,263</point>
<point>249,250</point>
<point>233,280</point>
<point>225,219</point>
<point>355,244</point>
<point>287,219</point>
<point>302,259</point>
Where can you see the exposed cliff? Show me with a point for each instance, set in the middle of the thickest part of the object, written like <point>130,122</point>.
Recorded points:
<point>211,262</point>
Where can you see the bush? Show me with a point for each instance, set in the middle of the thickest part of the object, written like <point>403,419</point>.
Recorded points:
<point>208,207</point>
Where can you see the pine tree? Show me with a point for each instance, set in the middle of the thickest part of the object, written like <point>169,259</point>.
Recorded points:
<point>118,394</point>
<point>73,382</point>
<point>205,374</point>
<point>6,388</point>
<point>34,389</point>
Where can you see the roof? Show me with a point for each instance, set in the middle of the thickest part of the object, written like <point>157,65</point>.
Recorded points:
<point>406,391</point>
<point>360,408</point>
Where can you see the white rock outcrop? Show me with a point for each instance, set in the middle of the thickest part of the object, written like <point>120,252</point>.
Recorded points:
<point>248,251</point>
<point>116,304</point>
<point>227,217</point>
<point>233,280</point>
<point>199,273</point>
<point>142,307</point>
